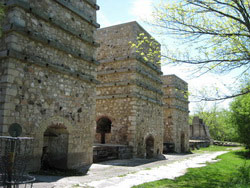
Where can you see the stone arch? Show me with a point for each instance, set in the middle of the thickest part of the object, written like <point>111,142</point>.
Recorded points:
<point>55,120</point>
<point>149,144</point>
<point>103,127</point>
<point>54,135</point>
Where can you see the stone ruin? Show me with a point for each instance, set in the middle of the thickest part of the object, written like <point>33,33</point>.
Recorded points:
<point>199,133</point>
<point>67,98</point>
<point>199,130</point>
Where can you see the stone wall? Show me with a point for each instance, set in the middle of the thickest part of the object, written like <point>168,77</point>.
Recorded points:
<point>199,130</point>
<point>129,94</point>
<point>175,113</point>
<point>111,152</point>
<point>48,74</point>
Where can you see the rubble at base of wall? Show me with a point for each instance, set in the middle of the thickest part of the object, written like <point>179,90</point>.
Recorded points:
<point>225,143</point>
<point>196,144</point>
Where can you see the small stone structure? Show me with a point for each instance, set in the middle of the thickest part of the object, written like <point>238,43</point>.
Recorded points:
<point>199,130</point>
<point>175,113</point>
<point>129,98</point>
<point>199,133</point>
<point>48,78</point>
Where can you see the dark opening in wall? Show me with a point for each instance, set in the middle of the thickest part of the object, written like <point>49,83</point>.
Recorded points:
<point>182,142</point>
<point>149,147</point>
<point>55,147</point>
<point>103,127</point>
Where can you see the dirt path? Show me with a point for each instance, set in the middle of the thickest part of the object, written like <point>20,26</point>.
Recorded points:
<point>126,173</point>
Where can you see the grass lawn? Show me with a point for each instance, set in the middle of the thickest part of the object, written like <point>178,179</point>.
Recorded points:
<point>232,171</point>
<point>213,148</point>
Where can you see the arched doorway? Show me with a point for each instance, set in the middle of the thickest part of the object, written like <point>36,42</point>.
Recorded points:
<point>103,127</point>
<point>55,147</point>
<point>182,142</point>
<point>149,147</point>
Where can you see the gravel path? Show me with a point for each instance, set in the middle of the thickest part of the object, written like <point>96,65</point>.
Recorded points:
<point>126,173</point>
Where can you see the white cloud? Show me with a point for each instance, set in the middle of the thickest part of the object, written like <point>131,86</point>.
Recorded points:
<point>142,10</point>
<point>102,19</point>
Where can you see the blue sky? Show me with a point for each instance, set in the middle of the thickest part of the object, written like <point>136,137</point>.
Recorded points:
<point>114,12</point>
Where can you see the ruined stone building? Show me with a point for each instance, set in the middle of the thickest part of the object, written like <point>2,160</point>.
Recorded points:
<point>129,97</point>
<point>199,134</point>
<point>175,113</point>
<point>199,130</point>
<point>48,77</point>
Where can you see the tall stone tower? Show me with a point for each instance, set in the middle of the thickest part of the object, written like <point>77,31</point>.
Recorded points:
<point>175,113</point>
<point>48,77</point>
<point>129,107</point>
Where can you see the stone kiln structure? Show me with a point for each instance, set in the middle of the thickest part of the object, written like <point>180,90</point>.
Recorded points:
<point>129,105</point>
<point>48,77</point>
<point>49,84</point>
<point>175,113</point>
<point>199,130</point>
<point>199,134</point>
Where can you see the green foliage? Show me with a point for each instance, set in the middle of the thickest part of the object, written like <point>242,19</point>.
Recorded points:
<point>240,178</point>
<point>241,117</point>
<point>212,148</point>
<point>147,47</point>
<point>211,35</point>
<point>215,34</point>
<point>219,174</point>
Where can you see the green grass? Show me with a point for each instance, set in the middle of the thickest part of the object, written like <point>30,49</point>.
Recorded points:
<point>232,171</point>
<point>213,148</point>
<point>123,175</point>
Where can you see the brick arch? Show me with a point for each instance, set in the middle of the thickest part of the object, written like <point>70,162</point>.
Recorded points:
<point>57,120</point>
<point>56,149</point>
<point>47,123</point>
<point>105,116</point>
<point>149,135</point>
<point>103,128</point>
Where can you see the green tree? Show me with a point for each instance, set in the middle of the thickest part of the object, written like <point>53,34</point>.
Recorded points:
<point>241,117</point>
<point>219,28</point>
<point>215,35</point>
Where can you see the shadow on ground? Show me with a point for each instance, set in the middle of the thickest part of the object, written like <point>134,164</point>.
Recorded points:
<point>53,175</point>
<point>243,154</point>
<point>129,162</point>
<point>138,161</point>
